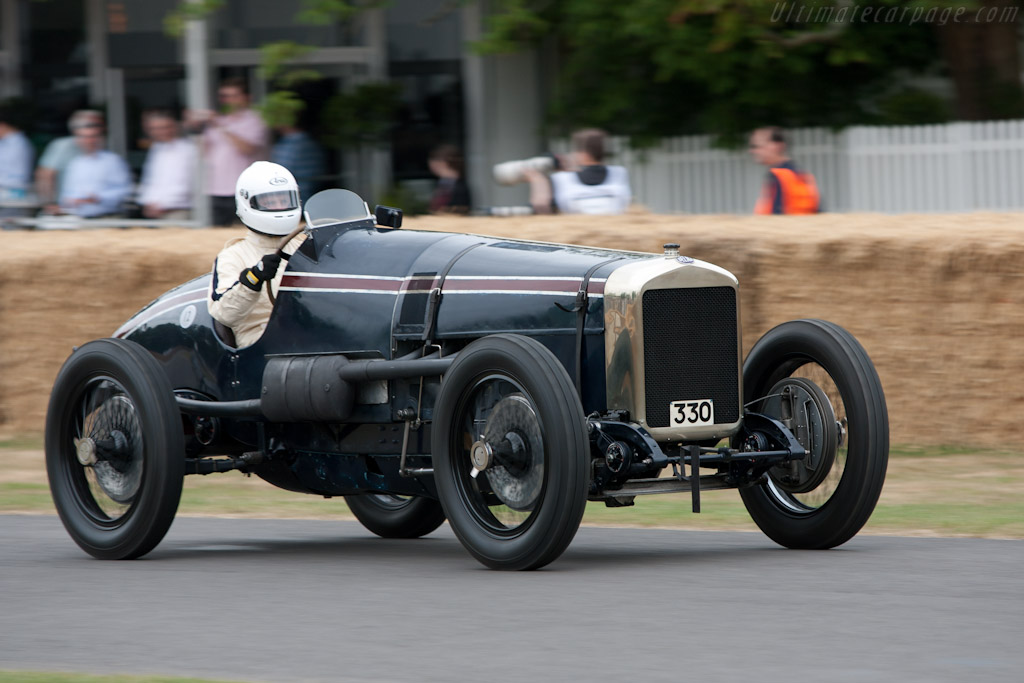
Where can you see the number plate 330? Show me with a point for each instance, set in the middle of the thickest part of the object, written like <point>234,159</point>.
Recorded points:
<point>699,411</point>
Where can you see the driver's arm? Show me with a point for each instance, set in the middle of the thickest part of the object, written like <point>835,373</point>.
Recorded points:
<point>236,297</point>
<point>230,302</point>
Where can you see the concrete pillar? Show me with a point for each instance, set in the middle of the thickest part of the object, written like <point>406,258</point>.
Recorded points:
<point>504,114</point>
<point>96,39</point>
<point>117,117</point>
<point>378,159</point>
<point>197,96</point>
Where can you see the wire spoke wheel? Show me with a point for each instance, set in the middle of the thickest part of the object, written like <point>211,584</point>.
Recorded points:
<point>503,490</point>
<point>510,452</point>
<point>114,449</point>
<point>817,380</point>
<point>109,447</point>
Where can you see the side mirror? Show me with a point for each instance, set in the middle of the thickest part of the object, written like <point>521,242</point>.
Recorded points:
<point>388,216</point>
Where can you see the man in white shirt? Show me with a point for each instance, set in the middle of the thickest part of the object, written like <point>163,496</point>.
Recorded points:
<point>96,182</point>
<point>16,157</point>
<point>59,153</point>
<point>165,191</point>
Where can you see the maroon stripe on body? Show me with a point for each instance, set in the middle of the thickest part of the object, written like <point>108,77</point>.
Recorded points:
<point>340,283</point>
<point>420,285</point>
<point>567,286</point>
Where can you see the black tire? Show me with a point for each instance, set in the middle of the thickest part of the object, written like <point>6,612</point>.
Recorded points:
<point>836,509</point>
<point>391,516</point>
<point>112,403</point>
<point>523,509</point>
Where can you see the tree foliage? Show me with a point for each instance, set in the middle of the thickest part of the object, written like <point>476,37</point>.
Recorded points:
<point>282,68</point>
<point>651,68</point>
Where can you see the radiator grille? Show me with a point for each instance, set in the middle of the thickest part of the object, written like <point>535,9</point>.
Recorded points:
<point>690,351</point>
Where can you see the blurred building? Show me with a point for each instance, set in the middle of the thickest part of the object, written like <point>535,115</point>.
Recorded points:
<point>65,54</point>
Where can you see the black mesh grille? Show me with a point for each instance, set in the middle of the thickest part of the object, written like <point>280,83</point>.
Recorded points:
<point>690,349</point>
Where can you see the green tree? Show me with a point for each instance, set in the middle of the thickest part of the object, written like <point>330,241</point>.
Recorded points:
<point>652,68</point>
<point>982,52</point>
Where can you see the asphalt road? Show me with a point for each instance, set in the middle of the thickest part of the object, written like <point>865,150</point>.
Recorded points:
<point>276,600</point>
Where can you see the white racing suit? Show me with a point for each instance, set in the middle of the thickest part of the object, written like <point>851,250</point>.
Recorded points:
<point>245,311</point>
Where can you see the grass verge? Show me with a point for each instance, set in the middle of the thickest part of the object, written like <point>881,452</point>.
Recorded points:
<point>929,491</point>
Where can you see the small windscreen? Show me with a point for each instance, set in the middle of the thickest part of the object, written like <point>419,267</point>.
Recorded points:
<point>335,206</point>
<point>283,200</point>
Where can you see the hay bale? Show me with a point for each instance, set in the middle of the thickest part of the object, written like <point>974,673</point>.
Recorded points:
<point>935,299</point>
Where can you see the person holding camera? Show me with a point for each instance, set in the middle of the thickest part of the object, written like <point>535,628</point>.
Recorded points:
<point>232,140</point>
<point>591,187</point>
<point>581,183</point>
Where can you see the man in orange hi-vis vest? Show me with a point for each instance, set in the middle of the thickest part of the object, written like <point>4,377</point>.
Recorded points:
<point>786,190</point>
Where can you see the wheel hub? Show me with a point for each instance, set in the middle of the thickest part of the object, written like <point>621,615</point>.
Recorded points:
<point>512,450</point>
<point>115,459</point>
<point>807,412</point>
<point>480,454</point>
<point>85,450</point>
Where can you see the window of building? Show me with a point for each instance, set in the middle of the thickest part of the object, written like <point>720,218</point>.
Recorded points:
<point>425,58</point>
<point>54,62</point>
<point>243,24</point>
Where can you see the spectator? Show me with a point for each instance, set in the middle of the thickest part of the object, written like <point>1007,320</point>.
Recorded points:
<point>451,194</point>
<point>16,157</point>
<point>59,153</point>
<point>165,190</point>
<point>300,154</point>
<point>593,188</point>
<point>786,189</point>
<point>232,141</point>
<point>96,182</point>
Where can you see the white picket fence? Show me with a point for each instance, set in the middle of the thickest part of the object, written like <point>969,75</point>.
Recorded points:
<point>942,168</point>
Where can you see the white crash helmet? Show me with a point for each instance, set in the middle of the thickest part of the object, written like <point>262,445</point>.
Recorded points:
<point>267,199</point>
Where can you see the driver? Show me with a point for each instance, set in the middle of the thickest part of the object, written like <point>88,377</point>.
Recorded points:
<point>267,202</point>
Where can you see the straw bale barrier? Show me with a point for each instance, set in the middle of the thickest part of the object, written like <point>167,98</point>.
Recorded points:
<point>935,299</point>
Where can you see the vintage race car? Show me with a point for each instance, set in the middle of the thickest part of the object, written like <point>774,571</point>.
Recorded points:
<point>495,383</point>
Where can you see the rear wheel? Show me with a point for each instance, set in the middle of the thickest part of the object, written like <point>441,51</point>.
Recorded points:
<point>391,516</point>
<point>817,379</point>
<point>114,449</point>
<point>510,452</point>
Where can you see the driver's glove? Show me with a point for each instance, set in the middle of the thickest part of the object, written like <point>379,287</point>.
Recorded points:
<point>266,269</point>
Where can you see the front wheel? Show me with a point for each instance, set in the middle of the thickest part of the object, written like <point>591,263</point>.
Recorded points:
<point>510,452</point>
<point>115,453</point>
<point>815,377</point>
<point>391,516</point>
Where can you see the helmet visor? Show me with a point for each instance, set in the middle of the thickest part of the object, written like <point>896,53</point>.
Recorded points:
<point>283,200</point>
